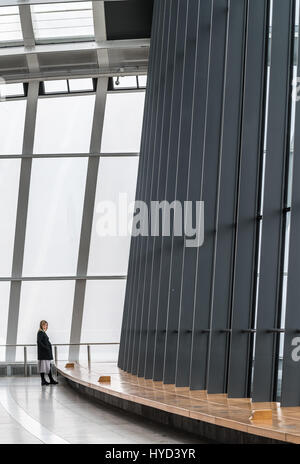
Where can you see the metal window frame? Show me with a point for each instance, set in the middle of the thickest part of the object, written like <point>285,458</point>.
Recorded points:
<point>87,216</point>
<point>21,220</point>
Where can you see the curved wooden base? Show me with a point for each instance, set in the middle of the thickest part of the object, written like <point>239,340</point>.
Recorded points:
<point>214,417</point>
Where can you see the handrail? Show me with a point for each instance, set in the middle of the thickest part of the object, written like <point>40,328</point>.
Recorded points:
<point>56,345</point>
<point>62,344</point>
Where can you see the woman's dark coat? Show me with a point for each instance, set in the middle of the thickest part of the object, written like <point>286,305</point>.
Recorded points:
<point>44,346</point>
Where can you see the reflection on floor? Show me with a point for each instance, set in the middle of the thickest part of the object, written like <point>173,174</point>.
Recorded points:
<point>57,414</point>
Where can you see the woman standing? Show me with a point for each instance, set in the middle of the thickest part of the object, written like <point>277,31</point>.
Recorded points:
<point>45,355</point>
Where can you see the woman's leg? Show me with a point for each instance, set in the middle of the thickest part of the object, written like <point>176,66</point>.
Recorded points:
<point>44,381</point>
<point>52,381</point>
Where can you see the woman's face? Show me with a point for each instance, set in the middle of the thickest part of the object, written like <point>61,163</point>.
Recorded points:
<point>45,327</point>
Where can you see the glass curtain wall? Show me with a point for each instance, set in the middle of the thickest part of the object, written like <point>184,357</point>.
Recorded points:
<point>59,162</point>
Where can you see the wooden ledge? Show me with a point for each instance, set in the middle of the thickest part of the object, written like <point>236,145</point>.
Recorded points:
<point>70,365</point>
<point>262,415</point>
<point>262,419</point>
<point>104,379</point>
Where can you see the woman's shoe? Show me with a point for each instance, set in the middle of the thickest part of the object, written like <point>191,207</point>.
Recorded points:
<point>53,382</point>
<point>44,383</point>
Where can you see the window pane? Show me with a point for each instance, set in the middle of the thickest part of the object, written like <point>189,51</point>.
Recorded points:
<point>64,124</point>
<point>102,317</point>
<point>10,25</point>
<point>49,300</point>
<point>12,118</point>
<point>54,216</point>
<point>4,301</point>
<point>142,81</point>
<point>109,254</point>
<point>63,20</point>
<point>125,82</point>
<point>77,85</point>
<point>11,90</point>
<point>55,86</point>
<point>9,189</point>
<point>123,122</point>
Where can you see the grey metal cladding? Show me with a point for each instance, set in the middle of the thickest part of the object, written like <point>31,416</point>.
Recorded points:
<point>248,189</point>
<point>270,281</point>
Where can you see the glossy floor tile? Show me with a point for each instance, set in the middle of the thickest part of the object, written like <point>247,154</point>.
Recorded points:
<point>33,414</point>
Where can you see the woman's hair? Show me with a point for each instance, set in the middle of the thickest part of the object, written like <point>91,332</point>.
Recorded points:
<point>41,324</point>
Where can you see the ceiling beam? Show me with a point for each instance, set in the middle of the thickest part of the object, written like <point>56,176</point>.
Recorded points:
<point>39,2</point>
<point>121,57</point>
<point>26,25</point>
<point>75,46</point>
<point>99,20</point>
<point>100,30</point>
<point>28,36</point>
<point>45,76</point>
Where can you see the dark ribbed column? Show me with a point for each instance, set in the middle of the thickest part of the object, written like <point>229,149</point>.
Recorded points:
<point>146,256</point>
<point>142,256</point>
<point>213,139</point>
<point>173,137</point>
<point>187,92</point>
<point>240,358</point>
<point>227,197</point>
<point>144,159</point>
<point>151,277</point>
<point>290,390</point>
<point>196,147</point>
<point>271,255</point>
<point>218,98</point>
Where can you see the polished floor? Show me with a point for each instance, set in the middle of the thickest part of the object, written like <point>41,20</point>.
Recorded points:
<point>32,414</point>
<point>240,414</point>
